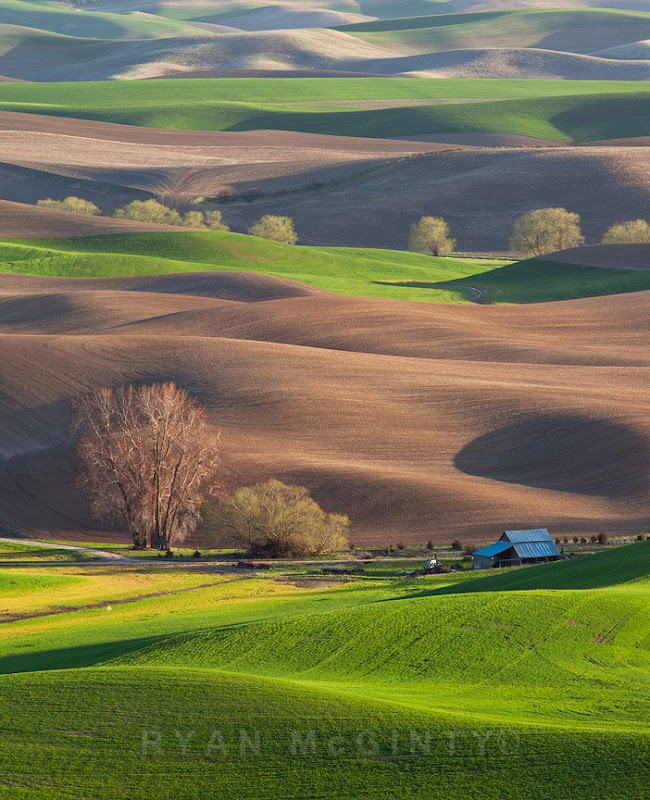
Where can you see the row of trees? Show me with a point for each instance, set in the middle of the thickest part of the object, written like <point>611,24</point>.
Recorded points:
<point>545,230</point>
<point>536,233</point>
<point>270,226</point>
<point>143,211</point>
<point>550,229</point>
<point>149,462</point>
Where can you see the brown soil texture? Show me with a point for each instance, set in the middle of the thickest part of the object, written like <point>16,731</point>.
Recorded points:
<point>420,421</point>
<point>480,192</point>
<point>609,256</point>
<point>112,164</point>
<point>19,221</point>
<point>342,190</point>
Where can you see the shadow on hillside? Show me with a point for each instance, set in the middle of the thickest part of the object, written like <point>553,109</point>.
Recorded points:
<point>604,118</point>
<point>564,453</point>
<point>102,654</point>
<point>73,657</point>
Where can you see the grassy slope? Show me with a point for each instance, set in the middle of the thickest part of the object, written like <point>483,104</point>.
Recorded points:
<point>56,18</point>
<point>554,109</point>
<point>557,679</point>
<point>536,280</point>
<point>607,568</point>
<point>346,271</point>
<point>21,552</point>
<point>514,28</point>
<point>606,16</point>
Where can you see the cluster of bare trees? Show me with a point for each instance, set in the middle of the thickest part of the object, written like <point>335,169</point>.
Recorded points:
<point>149,462</point>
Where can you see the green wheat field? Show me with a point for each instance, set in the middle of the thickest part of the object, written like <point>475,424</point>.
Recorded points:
<point>119,679</point>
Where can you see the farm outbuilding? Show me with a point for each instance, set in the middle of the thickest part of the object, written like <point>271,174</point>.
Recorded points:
<point>516,548</point>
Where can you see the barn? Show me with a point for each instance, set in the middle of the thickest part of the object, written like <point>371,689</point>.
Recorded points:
<point>516,548</point>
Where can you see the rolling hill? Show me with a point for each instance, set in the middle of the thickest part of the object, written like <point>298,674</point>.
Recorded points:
<point>563,30</point>
<point>375,687</point>
<point>474,407</point>
<point>341,190</point>
<point>55,42</point>
<point>564,111</point>
<point>430,399</point>
<point>479,192</point>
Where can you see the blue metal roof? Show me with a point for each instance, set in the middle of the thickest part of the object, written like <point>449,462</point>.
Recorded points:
<point>493,549</point>
<point>538,535</point>
<point>536,549</point>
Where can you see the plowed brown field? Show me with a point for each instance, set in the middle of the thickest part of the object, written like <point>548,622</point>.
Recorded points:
<point>420,421</point>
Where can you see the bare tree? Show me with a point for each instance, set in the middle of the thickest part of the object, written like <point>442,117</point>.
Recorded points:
<point>431,236</point>
<point>273,519</point>
<point>546,230</point>
<point>147,459</point>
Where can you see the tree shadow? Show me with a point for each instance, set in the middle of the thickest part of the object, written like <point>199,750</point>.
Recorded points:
<point>565,453</point>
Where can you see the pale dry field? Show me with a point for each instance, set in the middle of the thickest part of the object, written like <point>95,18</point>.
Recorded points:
<point>421,421</point>
<point>109,164</point>
<point>291,38</point>
<point>309,52</point>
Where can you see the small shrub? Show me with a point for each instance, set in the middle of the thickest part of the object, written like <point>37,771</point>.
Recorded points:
<point>583,540</point>
<point>603,538</point>
<point>430,545</point>
<point>276,228</point>
<point>212,220</point>
<point>546,230</point>
<point>250,195</point>
<point>457,545</point>
<point>75,204</point>
<point>149,211</point>
<point>227,195</point>
<point>641,537</point>
<point>169,554</point>
<point>634,231</point>
<point>196,554</point>
<point>401,546</point>
<point>431,236</point>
